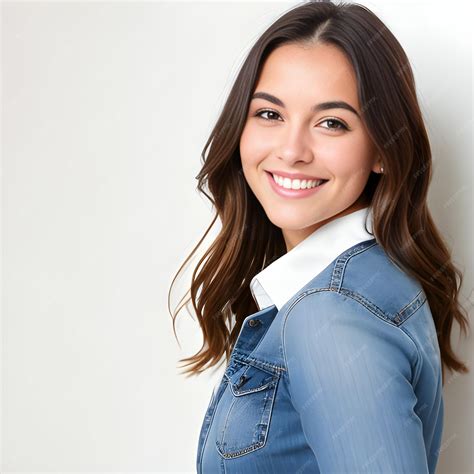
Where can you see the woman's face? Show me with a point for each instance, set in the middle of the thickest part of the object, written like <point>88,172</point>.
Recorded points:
<point>284,135</point>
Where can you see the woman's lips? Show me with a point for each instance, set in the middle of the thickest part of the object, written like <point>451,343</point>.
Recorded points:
<point>292,193</point>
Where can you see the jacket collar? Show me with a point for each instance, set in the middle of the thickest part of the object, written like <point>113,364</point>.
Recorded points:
<point>279,281</point>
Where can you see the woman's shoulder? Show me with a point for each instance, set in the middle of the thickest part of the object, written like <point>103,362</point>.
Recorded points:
<point>339,332</point>
<point>363,302</point>
<point>366,276</point>
<point>378,282</point>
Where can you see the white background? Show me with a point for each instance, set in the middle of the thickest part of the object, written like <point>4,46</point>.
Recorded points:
<point>105,110</point>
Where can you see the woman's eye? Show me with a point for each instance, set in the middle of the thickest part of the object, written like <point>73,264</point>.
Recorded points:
<point>340,125</point>
<point>259,114</point>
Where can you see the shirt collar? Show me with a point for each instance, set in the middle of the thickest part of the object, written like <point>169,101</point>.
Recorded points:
<point>278,282</point>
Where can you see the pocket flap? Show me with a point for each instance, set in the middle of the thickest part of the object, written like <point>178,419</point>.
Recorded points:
<point>248,379</point>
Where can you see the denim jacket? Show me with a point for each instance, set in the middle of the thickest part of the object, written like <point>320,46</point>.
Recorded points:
<point>345,377</point>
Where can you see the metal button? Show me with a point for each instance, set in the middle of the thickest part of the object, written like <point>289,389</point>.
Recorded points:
<point>254,322</point>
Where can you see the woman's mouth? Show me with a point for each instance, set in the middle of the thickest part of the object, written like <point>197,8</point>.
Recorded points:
<point>294,188</point>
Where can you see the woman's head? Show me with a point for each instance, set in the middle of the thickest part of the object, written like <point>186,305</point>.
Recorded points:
<point>305,118</point>
<point>316,53</point>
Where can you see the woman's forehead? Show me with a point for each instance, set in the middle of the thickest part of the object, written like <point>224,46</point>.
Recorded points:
<point>313,74</point>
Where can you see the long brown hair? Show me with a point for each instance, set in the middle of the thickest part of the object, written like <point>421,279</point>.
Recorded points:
<point>403,226</point>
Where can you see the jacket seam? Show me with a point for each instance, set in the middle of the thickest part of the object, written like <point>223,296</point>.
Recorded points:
<point>419,361</point>
<point>340,264</point>
<point>420,299</point>
<point>250,360</point>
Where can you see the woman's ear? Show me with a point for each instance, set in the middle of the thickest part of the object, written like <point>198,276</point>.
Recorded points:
<point>377,167</point>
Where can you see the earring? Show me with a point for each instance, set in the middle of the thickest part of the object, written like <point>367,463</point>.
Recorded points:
<point>381,169</point>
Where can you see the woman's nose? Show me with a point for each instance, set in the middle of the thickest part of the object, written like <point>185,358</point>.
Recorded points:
<point>295,145</point>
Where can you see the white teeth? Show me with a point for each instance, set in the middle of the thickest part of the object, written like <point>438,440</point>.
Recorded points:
<point>296,183</point>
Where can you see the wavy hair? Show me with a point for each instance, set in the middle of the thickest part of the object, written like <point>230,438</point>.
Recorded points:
<point>247,241</point>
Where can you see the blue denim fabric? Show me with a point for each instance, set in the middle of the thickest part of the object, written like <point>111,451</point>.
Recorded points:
<point>345,378</point>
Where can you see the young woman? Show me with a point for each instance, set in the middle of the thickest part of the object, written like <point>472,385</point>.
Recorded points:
<point>329,289</point>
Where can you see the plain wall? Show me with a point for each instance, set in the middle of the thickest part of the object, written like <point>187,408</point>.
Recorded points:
<point>106,108</point>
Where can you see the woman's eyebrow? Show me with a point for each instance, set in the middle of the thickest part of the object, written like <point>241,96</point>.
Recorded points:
<point>334,104</point>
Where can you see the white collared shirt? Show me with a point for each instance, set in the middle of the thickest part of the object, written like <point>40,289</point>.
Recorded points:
<point>278,282</point>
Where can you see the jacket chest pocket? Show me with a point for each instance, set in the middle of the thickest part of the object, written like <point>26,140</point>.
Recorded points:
<point>247,407</point>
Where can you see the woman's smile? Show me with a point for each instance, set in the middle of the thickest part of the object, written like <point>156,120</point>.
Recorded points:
<point>296,188</point>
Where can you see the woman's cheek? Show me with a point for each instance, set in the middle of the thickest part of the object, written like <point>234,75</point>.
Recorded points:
<point>345,158</point>
<point>253,148</point>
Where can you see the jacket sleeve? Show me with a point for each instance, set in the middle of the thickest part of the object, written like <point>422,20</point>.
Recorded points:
<point>350,374</point>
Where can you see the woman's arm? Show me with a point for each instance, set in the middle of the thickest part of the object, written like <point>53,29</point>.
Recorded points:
<point>350,376</point>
